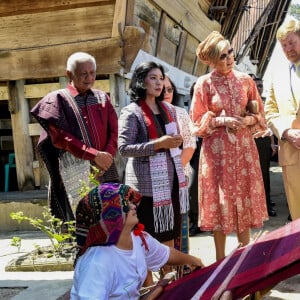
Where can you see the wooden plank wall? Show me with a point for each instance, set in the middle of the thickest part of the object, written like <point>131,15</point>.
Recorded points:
<point>45,33</point>
<point>190,15</point>
<point>173,30</point>
<point>143,13</point>
<point>67,26</point>
<point>168,41</point>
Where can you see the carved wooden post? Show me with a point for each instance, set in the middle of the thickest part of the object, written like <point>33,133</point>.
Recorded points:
<point>118,99</point>
<point>19,109</point>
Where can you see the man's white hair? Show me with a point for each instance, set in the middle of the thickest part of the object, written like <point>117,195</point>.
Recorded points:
<point>79,57</point>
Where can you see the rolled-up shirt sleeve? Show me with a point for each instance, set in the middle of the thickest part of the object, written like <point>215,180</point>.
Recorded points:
<point>68,142</point>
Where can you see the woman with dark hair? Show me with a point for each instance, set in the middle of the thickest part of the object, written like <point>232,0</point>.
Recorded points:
<point>188,147</point>
<point>171,94</point>
<point>148,137</point>
<point>184,122</point>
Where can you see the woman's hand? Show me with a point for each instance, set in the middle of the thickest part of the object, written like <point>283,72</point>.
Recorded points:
<point>196,263</point>
<point>247,120</point>
<point>234,123</point>
<point>168,142</point>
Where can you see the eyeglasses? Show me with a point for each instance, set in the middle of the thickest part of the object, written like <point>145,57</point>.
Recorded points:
<point>169,90</point>
<point>225,55</point>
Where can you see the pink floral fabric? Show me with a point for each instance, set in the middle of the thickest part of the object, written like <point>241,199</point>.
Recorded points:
<point>231,190</point>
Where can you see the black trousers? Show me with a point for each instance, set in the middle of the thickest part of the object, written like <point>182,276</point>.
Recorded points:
<point>264,151</point>
<point>193,185</point>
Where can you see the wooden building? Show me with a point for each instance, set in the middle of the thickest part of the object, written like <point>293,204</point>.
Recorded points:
<point>36,38</point>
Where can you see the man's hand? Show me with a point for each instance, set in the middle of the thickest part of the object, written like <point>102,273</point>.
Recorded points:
<point>293,137</point>
<point>103,161</point>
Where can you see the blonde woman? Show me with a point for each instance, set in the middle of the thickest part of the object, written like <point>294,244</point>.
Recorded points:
<point>231,190</point>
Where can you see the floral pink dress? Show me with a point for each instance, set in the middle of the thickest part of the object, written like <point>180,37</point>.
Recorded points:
<point>231,190</point>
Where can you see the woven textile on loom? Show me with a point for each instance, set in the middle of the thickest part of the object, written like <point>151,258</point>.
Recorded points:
<point>272,258</point>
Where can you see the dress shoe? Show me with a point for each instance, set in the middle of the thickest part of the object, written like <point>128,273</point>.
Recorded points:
<point>193,230</point>
<point>272,212</point>
<point>289,219</point>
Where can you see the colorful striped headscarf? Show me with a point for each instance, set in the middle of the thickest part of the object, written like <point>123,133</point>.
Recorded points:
<point>100,215</point>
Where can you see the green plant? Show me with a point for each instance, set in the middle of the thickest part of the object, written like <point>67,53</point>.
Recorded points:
<point>61,234</point>
<point>92,182</point>
<point>16,242</point>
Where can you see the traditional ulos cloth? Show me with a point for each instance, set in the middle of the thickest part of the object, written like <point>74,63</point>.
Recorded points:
<point>101,124</point>
<point>157,175</point>
<point>189,141</point>
<point>231,190</point>
<point>274,257</point>
<point>162,197</point>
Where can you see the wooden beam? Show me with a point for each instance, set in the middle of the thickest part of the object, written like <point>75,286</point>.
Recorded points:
<point>131,48</point>
<point>119,17</point>
<point>51,60</point>
<point>60,28</point>
<point>34,129</point>
<point>102,85</point>
<point>3,93</point>
<point>189,57</point>
<point>22,141</point>
<point>129,20</point>
<point>36,173</point>
<point>168,40</point>
<point>191,17</point>
<point>146,14</point>
<point>39,90</point>
<point>18,7</point>
<point>181,48</point>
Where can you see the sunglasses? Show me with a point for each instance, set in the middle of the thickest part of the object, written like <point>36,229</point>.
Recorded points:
<point>169,90</point>
<point>225,55</point>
